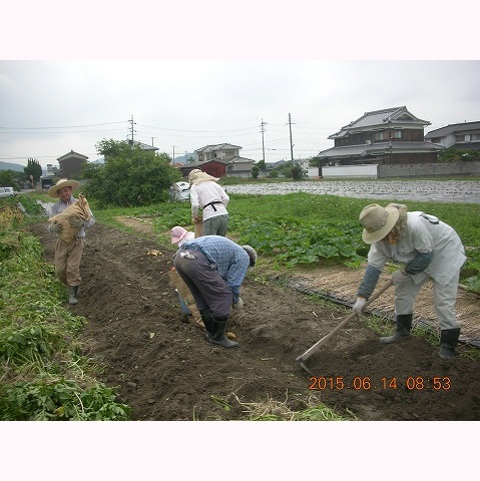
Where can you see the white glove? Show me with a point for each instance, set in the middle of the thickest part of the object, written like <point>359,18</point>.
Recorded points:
<point>399,277</point>
<point>359,305</point>
<point>238,304</point>
<point>56,227</point>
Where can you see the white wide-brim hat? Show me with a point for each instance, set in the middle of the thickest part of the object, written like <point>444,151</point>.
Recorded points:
<point>377,221</point>
<point>196,176</point>
<point>53,191</point>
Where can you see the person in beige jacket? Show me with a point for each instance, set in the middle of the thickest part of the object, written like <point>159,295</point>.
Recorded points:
<point>68,255</point>
<point>428,249</point>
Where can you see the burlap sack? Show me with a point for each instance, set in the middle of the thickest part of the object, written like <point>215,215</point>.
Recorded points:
<point>186,295</point>
<point>78,208</point>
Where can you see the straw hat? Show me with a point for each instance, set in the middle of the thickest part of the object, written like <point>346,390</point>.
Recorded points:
<point>196,176</point>
<point>377,221</point>
<point>53,191</point>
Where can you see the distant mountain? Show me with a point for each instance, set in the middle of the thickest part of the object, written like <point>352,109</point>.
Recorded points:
<point>11,166</point>
<point>182,159</point>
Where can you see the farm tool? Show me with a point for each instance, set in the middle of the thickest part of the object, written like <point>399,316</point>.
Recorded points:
<point>301,359</point>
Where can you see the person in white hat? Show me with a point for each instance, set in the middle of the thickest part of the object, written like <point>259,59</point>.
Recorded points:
<point>67,256</point>
<point>211,198</point>
<point>214,267</point>
<point>428,249</point>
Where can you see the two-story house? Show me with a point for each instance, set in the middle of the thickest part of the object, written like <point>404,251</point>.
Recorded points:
<point>220,160</point>
<point>388,136</point>
<point>465,136</point>
<point>71,164</point>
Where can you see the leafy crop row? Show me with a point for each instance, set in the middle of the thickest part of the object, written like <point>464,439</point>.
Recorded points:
<point>43,375</point>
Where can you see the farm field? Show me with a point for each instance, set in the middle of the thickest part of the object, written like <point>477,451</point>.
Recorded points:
<point>165,370</point>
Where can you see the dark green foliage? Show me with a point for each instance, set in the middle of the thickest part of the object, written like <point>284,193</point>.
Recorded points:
<point>130,176</point>
<point>34,169</point>
<point>458,155</point>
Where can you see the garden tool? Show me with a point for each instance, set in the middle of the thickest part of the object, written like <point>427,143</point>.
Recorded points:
<point>301,359</point>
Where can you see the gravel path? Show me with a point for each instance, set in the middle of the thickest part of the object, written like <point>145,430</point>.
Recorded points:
<point>455,191</point>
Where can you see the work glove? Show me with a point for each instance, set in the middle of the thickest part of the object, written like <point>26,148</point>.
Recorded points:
<point>56,227</point>
<point>399,277</point>
<point>359,305</point>
<point>238,304</point>
<point>76,222</point>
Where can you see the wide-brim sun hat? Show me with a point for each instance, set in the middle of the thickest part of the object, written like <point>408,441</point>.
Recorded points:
<point>196,176</point>
<point>377,222</point>
<point>252,253</point>
<point>53,191</point>
<point>177,234</point>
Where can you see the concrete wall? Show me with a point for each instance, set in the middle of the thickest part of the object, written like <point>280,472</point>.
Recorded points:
<point>367,170</point>
<point>429,170</point>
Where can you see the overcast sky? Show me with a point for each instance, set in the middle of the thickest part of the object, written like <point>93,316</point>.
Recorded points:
<point>51,107</point>
<point>199,77</point>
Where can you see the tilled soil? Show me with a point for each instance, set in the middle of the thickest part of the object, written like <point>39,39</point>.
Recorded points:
<point>164,369</point>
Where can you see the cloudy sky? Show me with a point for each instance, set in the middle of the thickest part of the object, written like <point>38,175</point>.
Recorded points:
<point>198,74</point>
<point>51,107</point>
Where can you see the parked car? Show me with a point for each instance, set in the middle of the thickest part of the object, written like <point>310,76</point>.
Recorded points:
<point>180,191</point>
<point>7,192</point>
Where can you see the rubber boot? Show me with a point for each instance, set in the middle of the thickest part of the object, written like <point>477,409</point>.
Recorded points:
<point>404,324</point>
<point>219,328</point>
<point>448,342</point>
<point>73,295</point>
<point>207,318</point>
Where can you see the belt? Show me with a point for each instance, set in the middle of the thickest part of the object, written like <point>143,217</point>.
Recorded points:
<point>212,204</point>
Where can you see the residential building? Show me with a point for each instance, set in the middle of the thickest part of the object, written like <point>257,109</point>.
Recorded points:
<point>71,164</point>
<point>388,136</point>
<point>220,160</point>
<point>465,136</point>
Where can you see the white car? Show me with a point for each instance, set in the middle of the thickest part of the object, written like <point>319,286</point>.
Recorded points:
<point>180,191</point>
<point>7,192</point>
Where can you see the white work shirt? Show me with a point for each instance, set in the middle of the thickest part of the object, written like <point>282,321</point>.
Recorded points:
<point>425,233</point>
<point>205,192</point>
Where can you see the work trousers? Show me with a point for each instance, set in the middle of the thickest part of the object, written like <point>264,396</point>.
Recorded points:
<point>217,225</point>
<point>67,261</point>
<point>444,299</point>
<point>207,286</point>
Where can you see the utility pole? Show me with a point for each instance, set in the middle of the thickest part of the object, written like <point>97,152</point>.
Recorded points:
<point>291,144</point>
<point>173,155</point>
<point>262,125</point>
<point>132,130</point>
<point>152,141</point>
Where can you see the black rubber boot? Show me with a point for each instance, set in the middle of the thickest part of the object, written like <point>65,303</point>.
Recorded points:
<point>404,324</point>
<point>219,328</point>
<point>73,295</point>
<point>207,319</point>
<point>448,342</point>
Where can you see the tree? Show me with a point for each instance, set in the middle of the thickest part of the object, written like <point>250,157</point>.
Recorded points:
<point>130,175</point>
<point>33,169</point>
<point>296,172</point>
<point>262,165</point>
<point>255,171</point>
<point>458,155</point>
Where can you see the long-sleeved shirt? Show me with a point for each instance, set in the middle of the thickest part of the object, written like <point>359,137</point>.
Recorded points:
<point>231,259</point>
<point>203,194</point>
<point>429,248</point>
<point>60,206</point>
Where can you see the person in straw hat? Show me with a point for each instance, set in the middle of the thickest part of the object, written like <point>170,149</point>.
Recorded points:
<point>207,195</point>
<point>214,267</point>
<point>67,256</point>
<point>428,249</point>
